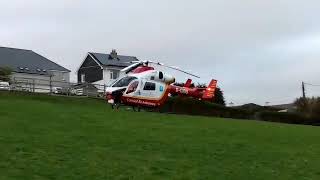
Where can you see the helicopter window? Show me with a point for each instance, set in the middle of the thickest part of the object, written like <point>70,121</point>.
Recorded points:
<point>133,87</point>
<point>152,78</point>
<point>149,86</point>
<point>124,81</point>
<point>160,75</point>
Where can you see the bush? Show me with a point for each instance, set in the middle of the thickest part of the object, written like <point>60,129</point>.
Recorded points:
<point>5,73</point>
<point>309,106</point>
<point>191,106</point>
<point>291,118</point>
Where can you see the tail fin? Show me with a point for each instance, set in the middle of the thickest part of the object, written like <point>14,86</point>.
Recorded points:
<point>188,83</point>
<point>209,92</point>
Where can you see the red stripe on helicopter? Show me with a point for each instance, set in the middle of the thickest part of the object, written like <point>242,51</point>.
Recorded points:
<point>151,102</point>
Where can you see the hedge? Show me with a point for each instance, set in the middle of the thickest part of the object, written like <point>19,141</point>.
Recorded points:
<point>291,118</point>
<point>190,106</point>
<point>193,106</point>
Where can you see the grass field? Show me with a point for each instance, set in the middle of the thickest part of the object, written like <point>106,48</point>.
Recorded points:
<point>44,137</point>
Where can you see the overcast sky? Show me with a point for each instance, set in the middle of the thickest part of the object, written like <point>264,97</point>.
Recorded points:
<point>258,50</point>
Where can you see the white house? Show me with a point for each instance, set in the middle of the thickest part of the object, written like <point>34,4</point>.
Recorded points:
<point>33,71</point>
<point>100,68</point>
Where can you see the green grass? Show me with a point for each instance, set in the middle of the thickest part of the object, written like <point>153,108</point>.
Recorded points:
<point>43,137</point>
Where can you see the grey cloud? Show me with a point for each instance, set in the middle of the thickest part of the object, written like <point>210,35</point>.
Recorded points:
<point>258,50</point>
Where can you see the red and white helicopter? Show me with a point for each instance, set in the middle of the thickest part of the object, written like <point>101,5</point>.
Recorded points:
<point>145,87</point>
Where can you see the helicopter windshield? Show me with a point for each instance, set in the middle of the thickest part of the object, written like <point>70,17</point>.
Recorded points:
<point>124,81</point>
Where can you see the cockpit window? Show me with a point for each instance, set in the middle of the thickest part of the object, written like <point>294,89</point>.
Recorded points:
<point>124,81</point>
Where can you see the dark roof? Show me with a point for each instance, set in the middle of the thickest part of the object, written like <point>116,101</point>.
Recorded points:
<point>107,60</point>
<point>27,61</point>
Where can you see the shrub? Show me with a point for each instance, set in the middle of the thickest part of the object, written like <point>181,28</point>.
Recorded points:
<point>5,73</point>
<point>291,118</point>
<point>309,106</point>
<point>191,106</point>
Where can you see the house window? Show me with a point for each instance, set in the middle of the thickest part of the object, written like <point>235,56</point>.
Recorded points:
<point>149,86</point>
<point>114,74</point>
<point>63,76</point>
<point>83,78</point>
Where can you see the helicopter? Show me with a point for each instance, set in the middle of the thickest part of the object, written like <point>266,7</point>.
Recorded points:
<point>145,87</point>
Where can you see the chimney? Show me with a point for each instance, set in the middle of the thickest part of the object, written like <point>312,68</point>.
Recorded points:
<point>113,54</point>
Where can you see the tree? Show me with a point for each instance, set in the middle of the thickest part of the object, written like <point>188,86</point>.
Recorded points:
<point>308,106</point>
<point>5,73</point>
<point>302,105</point>
<point>218,97</point>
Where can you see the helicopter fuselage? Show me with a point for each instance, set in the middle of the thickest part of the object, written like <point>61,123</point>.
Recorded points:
<point>146,87</point>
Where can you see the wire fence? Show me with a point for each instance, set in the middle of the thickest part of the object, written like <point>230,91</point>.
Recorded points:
<point>49,86</point>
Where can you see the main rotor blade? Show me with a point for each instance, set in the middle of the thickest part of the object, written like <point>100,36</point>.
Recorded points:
<point>138,63</point>
<point>131,67</point>
<point>178,69</point>
<point>175,68</point>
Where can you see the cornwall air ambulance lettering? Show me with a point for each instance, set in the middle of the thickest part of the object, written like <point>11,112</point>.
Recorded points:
<point>139,101</point>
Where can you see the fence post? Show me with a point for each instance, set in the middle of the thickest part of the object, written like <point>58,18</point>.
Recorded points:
<point>87,90</point>
<point>50,83</point>
<point>69,88</point>
<point>33,87</point>
<point>14,84</point>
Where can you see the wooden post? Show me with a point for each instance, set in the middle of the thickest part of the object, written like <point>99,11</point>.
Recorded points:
<point>50,84</point>
<point>33,87</point>
<point>87,89</point>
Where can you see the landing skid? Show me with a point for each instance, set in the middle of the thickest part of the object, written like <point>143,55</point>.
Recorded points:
<point>117,106</point>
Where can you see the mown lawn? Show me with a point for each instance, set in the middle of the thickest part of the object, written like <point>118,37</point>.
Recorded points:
<point>43,137</point>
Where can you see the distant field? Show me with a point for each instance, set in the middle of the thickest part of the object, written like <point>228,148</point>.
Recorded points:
<point>43,137</point>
